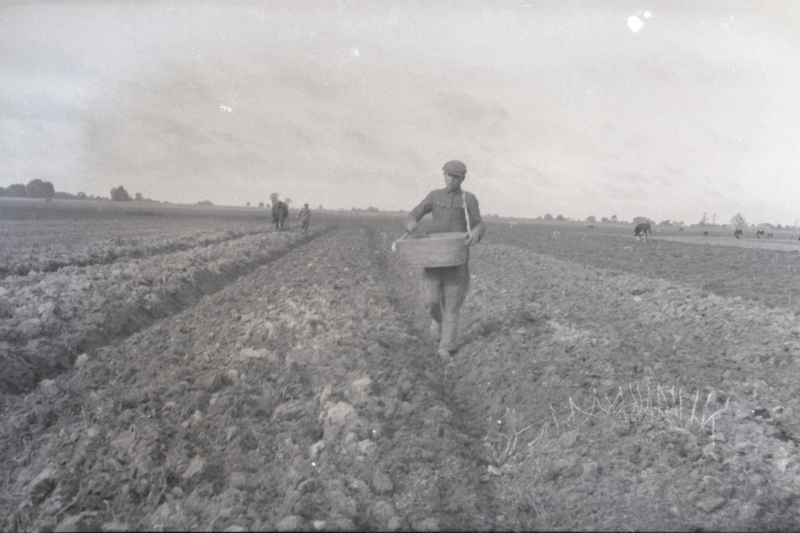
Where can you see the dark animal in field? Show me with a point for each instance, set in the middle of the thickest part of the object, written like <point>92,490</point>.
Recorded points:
<point>759,233</point>
<point>591,226</point>
<point>705,234</point>
<point>279,213</point>
<point>680,229</point>
<point>642,231</point>
<point>738,233</point>
<point>769,235</point>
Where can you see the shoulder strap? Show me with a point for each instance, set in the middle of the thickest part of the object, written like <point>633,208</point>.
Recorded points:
<point>466,211</point>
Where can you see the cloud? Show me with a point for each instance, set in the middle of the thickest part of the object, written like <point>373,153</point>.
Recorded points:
<point>636,178</point>
<point>465,110</point>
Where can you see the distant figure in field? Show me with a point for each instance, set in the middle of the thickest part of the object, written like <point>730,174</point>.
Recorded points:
<point>641,231</point>
<point>304,216</point>
<point>279,213</point>
<point>738,233</point>
<point>705,234</point>
<point>759,233</point>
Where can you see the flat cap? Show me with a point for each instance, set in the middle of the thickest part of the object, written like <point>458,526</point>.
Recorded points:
<point>455,167</point>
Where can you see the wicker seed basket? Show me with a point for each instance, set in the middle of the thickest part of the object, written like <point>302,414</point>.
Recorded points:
<point>434,251</point>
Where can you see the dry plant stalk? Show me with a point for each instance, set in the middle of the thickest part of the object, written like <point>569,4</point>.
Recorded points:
<point>636,408</point>
<point>510,436</point>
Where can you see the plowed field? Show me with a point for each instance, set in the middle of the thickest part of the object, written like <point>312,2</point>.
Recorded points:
<point>206,373</point>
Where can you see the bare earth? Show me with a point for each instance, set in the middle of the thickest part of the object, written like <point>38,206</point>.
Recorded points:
<point>228,377</point>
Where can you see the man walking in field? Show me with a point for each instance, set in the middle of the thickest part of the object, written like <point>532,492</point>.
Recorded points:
<point>304,216</point>
<point>444,289</point>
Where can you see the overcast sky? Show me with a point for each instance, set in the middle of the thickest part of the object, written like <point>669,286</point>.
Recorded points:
<point>664,109</point>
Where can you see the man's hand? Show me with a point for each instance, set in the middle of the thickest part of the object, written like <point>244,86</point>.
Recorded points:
<point>474,236</point>
<point>411,226</point>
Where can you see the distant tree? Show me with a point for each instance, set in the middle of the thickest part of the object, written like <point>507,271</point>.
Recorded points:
<point>119,194</point>
<point>16,190</point>
<point>642,220</point>
<point>40,189</point>
<point>320,207</point>
<point>287,201</point>
<point>738,221</point>
<point>371,209</point>
<point>548,216</point>
<point>205,202</point>
<point>613,218</point>
<point>604,219</point>
<point>591,218</point>
<point>2,191</point>
<point>273,198</point>
<point>247,204</point>
<point>260,204</point>
<point>560,217</point>
<point>138,197</point>
<point>81,196</point>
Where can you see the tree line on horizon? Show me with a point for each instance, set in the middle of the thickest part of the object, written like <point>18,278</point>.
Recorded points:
<point>38,188</point>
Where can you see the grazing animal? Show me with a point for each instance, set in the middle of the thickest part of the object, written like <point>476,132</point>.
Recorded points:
<point>705,234</point>
<point>738,233</point>
<point>680,229</point>
<point>279,213</point>
<point>769,235</point>
<point>642,230</point>
<point>759,233</point>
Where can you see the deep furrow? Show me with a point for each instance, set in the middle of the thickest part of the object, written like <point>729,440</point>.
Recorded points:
<point>118,252</point>
<point>78,310</point>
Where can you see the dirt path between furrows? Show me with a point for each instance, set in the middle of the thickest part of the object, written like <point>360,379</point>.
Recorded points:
<point>306,396</point>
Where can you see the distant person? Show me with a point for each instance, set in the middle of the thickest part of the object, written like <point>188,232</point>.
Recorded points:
<point>642,231</point>
<point>304,216</point>
<point>279,213</point>
<point>443,289</point>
